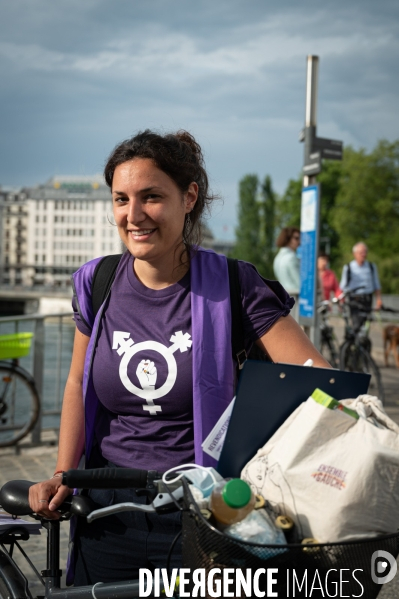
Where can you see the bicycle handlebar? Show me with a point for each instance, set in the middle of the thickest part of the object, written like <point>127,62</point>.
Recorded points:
<point>105,478</point>
<point>387,309</point>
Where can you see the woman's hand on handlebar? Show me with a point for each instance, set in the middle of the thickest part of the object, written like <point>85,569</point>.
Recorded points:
<point>47,496</point>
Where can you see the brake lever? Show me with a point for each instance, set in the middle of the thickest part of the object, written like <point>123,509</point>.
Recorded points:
<point>162,504</point>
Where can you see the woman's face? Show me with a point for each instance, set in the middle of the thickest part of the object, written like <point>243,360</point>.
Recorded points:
<point>295,241</point>
<point>149,211</point>
<point>322,263</point>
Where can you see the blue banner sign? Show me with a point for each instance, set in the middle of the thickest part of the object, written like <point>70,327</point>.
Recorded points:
<point>309,249</point>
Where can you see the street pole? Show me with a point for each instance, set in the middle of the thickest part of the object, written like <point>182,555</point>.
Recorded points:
<point>312,76</point>
<point>316,149</point>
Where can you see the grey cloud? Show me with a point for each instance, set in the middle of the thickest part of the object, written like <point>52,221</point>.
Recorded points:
<point>77,77</point>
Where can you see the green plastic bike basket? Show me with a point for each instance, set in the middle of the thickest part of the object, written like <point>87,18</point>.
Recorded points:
<point>15,345</point>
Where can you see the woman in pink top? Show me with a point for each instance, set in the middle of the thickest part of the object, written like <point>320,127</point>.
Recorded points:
<point>328,281</point>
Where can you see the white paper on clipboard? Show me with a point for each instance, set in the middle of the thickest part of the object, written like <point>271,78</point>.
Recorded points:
<point>213,444</point>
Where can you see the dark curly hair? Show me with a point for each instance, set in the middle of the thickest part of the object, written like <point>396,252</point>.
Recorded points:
<point>180,157</point>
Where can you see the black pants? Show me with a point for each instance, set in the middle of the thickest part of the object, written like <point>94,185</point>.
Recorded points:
<point>360,305</point>
<point>114,548</point>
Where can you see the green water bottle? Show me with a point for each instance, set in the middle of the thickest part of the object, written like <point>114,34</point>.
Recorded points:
<point>231,501</point>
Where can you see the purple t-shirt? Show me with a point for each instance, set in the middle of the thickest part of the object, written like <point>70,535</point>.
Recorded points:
<point>142,366</point>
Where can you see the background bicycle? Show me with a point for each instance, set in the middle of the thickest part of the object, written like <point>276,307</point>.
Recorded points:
<point>328,341</point>
<point>355,351</point>
<point>19,399</point>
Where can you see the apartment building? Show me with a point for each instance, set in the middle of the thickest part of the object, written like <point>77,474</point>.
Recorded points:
<point>13,238</point>
<point>49,230</point>
<point>69,222</point>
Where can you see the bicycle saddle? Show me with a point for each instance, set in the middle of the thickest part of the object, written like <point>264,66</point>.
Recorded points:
<point>14,499</point>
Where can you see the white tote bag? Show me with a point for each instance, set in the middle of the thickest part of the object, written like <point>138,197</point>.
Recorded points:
<point>337,476</point>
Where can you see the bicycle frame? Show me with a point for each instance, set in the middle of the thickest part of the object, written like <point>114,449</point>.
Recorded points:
<point>17,583</point>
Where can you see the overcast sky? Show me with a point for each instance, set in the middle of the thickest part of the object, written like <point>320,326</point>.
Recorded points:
<point>78,76</point>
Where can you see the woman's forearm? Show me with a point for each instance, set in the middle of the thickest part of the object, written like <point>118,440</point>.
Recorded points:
<point>71,441</point>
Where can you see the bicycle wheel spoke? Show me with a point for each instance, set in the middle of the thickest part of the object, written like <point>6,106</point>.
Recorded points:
<point>19,406</point>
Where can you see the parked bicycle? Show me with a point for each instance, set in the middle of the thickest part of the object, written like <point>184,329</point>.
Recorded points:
<point>328,340</point>
<point>355,351</point>
<point>14,499</point>
<point>204,547</point>
<point>19,399</point>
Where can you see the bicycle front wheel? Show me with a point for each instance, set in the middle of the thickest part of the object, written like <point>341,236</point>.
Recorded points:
<point>354,358</point>
<point>19,404</point>
<point>13,584</point>
<point>328,350</point>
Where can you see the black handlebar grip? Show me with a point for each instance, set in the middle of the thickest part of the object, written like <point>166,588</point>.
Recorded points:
<point>105,478</point>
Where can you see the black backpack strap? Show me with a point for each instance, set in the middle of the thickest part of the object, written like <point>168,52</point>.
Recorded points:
<point>103,277</point>
<point>348,274</point>
<point>237,328</point>
<point>372,270</point>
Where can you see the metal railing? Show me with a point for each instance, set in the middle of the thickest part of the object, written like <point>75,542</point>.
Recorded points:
<point>48,361</point>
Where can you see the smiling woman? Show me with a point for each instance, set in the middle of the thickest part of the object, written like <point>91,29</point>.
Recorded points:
<point>157,359</point>
<point>150,212</point>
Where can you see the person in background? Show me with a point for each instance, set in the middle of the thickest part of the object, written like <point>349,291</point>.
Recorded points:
<point>286,263</point>
<point>362,276</point>
<point>328,281</point>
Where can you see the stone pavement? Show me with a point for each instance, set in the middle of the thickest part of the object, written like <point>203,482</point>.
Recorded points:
<point>37,463</point>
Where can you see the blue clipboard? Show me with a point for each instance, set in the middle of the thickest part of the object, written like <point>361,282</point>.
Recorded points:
<point>267,394</point>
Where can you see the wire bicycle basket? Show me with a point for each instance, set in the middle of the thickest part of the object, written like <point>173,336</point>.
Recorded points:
<point>346,565</point>
<point>15,345</point>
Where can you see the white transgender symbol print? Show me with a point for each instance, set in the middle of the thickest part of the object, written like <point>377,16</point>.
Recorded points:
<point>146,371</point>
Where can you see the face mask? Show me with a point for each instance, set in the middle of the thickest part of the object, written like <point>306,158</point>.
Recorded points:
<point>204,479</point>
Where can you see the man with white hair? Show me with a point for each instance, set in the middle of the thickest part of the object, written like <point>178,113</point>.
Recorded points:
<point>361,273</point>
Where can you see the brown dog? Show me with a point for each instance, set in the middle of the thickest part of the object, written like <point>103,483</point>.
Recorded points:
<point>390,337</point>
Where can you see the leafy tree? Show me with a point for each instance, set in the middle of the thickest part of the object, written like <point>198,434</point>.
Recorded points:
<point>359,202</point>
<point>268,226</point>
<point>248,245</point>
<point>367,205</point>
<point>288,208</point>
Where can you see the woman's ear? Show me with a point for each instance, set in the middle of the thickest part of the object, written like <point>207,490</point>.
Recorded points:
<point>191,196</point>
